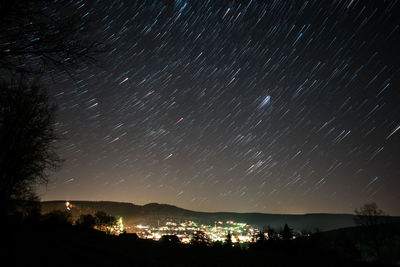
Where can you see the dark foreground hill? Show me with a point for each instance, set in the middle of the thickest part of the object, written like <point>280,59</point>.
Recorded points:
<point>41,244</point>
<point>157,213</point>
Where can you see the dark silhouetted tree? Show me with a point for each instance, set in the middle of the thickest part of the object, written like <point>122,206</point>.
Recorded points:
<point>36,37</point>
<point>105,222</point>
<point>272,234</point>
<point>287,233</point>
<point>27,140</point>
<point>101,220</point>
<point>86,221</point>
<point>228,240</point>
<point>370,217</point>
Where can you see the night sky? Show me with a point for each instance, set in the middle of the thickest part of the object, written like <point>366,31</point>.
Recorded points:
<point>266,106</point>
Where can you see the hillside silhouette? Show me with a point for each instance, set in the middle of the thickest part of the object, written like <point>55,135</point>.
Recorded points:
<point>154,213</point>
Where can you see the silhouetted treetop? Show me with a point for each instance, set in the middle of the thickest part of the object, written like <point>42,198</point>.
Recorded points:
<point>287,233</point>
<point>200,238</point>
<point>35,35</point>
<point>369,215</point>
<point>105,222</point>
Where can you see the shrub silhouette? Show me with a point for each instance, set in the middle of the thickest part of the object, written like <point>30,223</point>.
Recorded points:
<point>86,221</point>
<point>57,218</point>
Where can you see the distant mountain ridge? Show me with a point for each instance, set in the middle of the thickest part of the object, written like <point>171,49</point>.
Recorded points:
<point>154,213</point>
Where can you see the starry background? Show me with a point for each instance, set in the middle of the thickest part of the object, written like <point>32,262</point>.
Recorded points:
<point>267,106</point>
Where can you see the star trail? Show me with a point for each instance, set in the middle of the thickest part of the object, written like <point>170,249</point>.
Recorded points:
<point>266,106</point>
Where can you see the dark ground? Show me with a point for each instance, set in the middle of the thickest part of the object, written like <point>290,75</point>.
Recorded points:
<point>66,245</point>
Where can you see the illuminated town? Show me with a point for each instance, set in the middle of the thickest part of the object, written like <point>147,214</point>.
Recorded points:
<point>184,230</point>
<point>240,232</point>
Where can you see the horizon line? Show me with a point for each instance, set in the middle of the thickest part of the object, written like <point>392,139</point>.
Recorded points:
<point>247,212</point>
